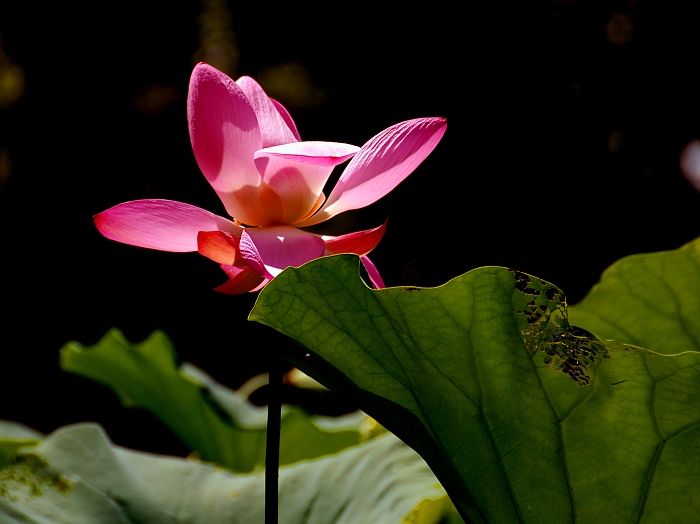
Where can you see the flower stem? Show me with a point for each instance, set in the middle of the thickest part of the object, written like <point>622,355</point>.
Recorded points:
<point>272,445</point>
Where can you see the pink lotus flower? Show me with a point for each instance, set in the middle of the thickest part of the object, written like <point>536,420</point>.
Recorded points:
<point>271,182</point>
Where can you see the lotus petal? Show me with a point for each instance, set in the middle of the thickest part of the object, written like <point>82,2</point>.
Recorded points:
<point>160,224</point>
<point>273,127</point>
<point>287,118</point>
<point>296,174</point>
<point>380,165</point>
<point>242,279</point>
<point>220,247</point>
<point>270,250</point>
<point>373,273</point>
<point>225,135</point>
<point>359,242</point>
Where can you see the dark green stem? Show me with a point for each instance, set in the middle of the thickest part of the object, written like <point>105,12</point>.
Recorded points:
<point>272,445</point>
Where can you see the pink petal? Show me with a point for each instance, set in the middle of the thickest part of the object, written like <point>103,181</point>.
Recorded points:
<point>160,224</point>
<point>380,165</point>
<point>269,250</point>
<point>272,204</point>
<point>296,173</point>
<point>225,135</point>
<point>360,242</point>
<point>220,247</point>
<point>273,127</point>
<point>374,275</point>
<point>287,118</point>
<point>260,286</point>
<point>241,280</point>
<point>232,271</point>
<point>328,154</point>
<point>319,202</point>
<point>290,196</point>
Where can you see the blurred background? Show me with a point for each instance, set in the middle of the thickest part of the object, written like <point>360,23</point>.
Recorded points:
<point>567,120</point>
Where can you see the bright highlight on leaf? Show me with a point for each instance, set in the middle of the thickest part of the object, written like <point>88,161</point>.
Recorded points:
<point>467,374</point>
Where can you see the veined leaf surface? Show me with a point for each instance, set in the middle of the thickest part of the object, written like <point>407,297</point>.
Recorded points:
<point>523,417</point>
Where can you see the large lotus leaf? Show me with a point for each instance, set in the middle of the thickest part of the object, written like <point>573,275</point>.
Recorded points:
<point>221,425</point>
<point>523,417</point>
<point>652,301</point>
<point>76,476</point>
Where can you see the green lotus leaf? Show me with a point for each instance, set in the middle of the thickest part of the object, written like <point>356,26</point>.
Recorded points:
<point>76,475</point>
<point>523,417</point>
<point>651,301</point>
<point>219,424</point>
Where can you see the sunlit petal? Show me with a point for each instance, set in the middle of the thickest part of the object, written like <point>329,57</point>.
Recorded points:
<point>272,204</point>
<point>327,154</point>
<point>220,247</point>
<point>287,118</point>
<point>289,182</point>
<point>270,250</point>
<point>225,135</point>
<point>319,202</point>
<point>380,165</point>
<point>273,126</point>
<point>373,273</point>
<point>360,242</point>
<point>296,173</point>
<point>249,149</point>
<point>160,224</point>
<point>242,279</point>
<point>260,286</point>
<point>250,253</point>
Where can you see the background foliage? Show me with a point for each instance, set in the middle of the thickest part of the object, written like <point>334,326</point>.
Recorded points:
<point>566,120</point>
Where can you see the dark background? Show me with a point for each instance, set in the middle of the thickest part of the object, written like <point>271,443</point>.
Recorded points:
<point>565,124</point>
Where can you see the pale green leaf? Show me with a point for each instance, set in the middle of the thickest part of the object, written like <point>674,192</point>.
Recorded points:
<point>14,436</point>
<point>221,425</point>
<point>76,476</point>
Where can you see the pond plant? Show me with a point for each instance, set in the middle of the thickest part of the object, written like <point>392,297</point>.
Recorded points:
<point>487,399</point>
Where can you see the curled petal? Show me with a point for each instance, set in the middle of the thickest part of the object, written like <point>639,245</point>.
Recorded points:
<point>360,242</point>
<point>380,165</point>
<point>269,250</point>
<point>290,198</point>
<point>220,247</point>
<point>231,271</point>
<point>273,127</point>
<point>260,286</point>
<point>242,279</point>
<point>160,224</point>
<point>296,174</point>
<point>328,154</point>
<point>272,204</point>
<point>225,134</point>
<point>374,275</point>
<point>319,202</point>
